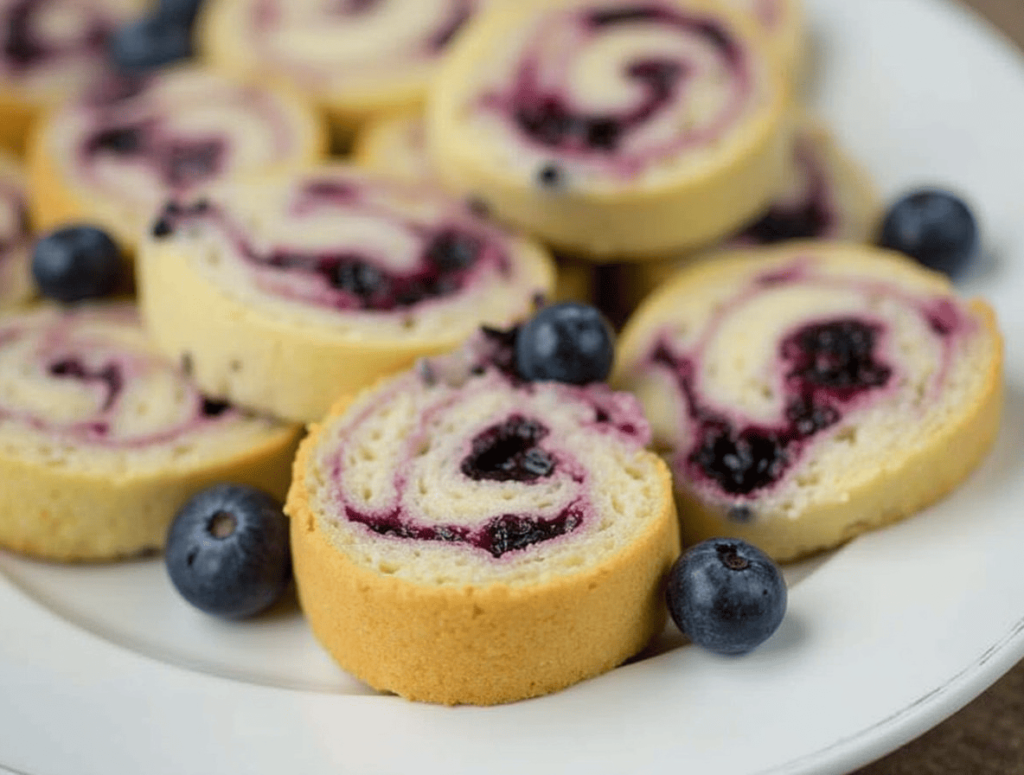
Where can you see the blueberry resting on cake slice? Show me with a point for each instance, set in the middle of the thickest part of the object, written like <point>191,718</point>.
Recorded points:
<point>613,130</point>
<point>116,153</point>
<point>103,438</point>
<point>310,285</point>
<point>461,534</point>
<point>806,393</point>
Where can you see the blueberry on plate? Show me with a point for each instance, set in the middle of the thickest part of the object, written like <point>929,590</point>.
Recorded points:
<point>149,43</point>
<point>934,227</point>
<point>566,342</point>
<point>75,263</point>
<point>726,595</point>
<point>228,551</point>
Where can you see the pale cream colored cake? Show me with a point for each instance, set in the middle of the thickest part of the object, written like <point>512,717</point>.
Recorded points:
<point>16,284</point>
<point>461,537</point>
<point>784,23</point>
<point>308,286</point>
<point>807,393</point>
<point>102,439</point>
<point>353,59</point>
<point>53,50</point>
<point>613,131</point>
<point>114,155</point>
<point>825,194</point>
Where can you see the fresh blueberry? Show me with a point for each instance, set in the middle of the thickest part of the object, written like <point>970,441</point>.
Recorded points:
<point>933,226</point>
<point>149,43</point>
<point>228,551</point>
<point>726,595</point>
<point>566,342</point>
<point>75,263</point>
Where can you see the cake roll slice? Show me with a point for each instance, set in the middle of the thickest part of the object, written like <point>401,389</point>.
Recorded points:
<point>309,286</point>
<point>114,154</point>
<point>102,438</point>
<point>354,59</point>
<point>807,393</point>
<point>826,194</point>
<point>785,25</point>
<point>613,130</point>
<point>52,49</point>
<point>16,284</point>
<point>463,537</point>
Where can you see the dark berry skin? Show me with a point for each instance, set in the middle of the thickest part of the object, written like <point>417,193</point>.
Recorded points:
<point>149,43</point>
<point>726,595</point>
<point>566,342</point>
<point>934,227</point>
<point>75,263</point>
<point>182,12</point>
<point>228,551</point>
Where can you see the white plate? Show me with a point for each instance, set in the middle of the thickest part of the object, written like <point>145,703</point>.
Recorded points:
<point>104,670</point>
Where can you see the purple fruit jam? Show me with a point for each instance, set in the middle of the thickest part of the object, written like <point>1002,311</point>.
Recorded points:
<point>109,377</point>
<point>498,536</point>
<point>828,365</point>
<point>450,254</point>
<point>178,163</point>
<point>509,451</point>
<point>550,120</point>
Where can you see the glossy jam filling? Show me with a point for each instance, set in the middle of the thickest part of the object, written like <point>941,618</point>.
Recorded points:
<point>24,47</point>
<point>451,253</point>
<point>827,365</point>
<point>510,451</point>
<point>106,377</point>
<point>542,107</point>
<point>498,536</point>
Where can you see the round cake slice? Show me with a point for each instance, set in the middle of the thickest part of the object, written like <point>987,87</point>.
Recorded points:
<point>102,438</point>
<point>806,393</point>
<point>308,286</point>
<point>114,154</point>
<point>613,130</point>
<point>784,23</point>
<point>16,284</point>
<point>463,537</point>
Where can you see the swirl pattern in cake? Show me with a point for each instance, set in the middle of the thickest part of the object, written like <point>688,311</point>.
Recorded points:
<point>116,154</point>
<point>475,508</point>
<point>777,381</point>
<point>102,438</point>
<point>615,130</point>
<point>311,285</point>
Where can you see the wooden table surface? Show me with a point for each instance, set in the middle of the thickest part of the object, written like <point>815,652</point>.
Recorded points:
<point>987,736</point>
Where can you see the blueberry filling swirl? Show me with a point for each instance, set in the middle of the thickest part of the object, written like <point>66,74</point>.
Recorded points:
<point>548,111</point>
<point>448,251</point>
<point>523,485</point>
<point>829,366</point>
<point>97,389</point>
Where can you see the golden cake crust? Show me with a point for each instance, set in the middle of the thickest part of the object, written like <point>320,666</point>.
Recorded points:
<point>479,644</point>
